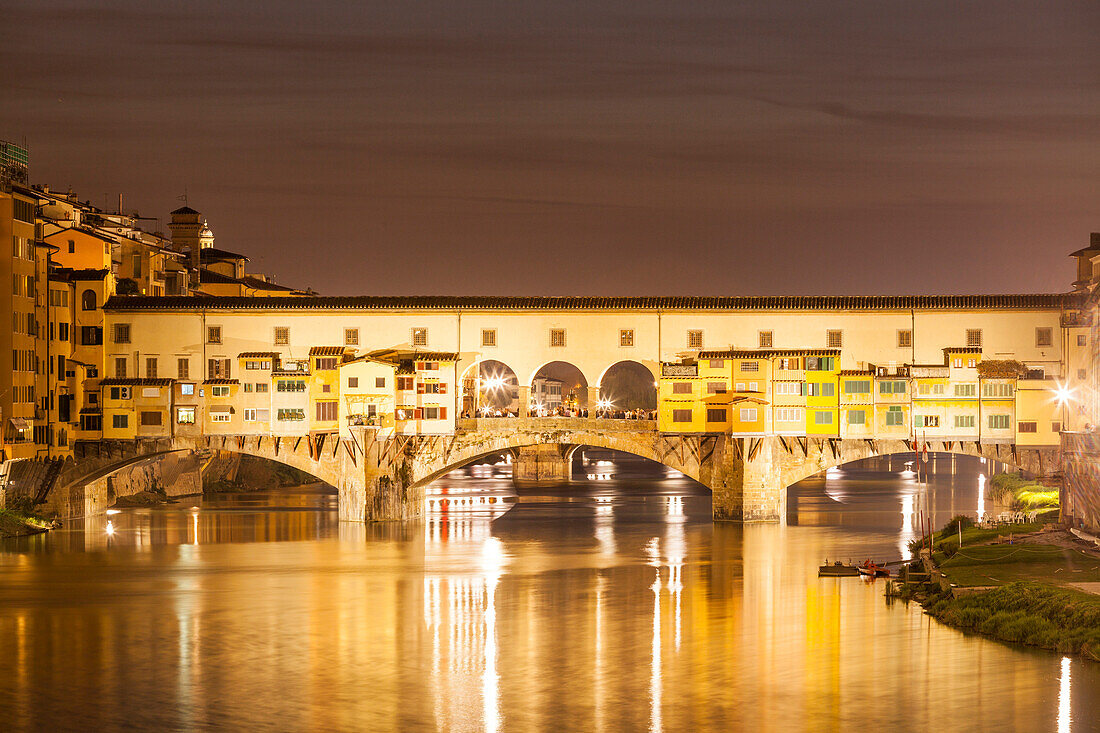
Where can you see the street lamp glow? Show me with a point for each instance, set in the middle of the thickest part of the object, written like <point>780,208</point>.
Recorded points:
<point>603,404</point>
<point>1063,394</point>
<point>494,382</point>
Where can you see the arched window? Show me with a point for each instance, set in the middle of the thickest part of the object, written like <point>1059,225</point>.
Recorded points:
<point>87,300</point>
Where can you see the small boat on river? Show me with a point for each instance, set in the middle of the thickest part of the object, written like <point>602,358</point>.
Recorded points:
<point>837,570</point>
<point>871,570</point>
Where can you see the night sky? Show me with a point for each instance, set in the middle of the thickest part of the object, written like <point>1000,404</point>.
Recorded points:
<point>554,148</point>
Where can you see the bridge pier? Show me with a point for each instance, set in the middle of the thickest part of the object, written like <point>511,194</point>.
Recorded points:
<point>542,465</point>
<point>376,485</point>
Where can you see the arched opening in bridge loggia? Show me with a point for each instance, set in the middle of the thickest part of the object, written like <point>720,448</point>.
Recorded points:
<point>558,385</point>
<point>489,387</point>
<point>628,385</point>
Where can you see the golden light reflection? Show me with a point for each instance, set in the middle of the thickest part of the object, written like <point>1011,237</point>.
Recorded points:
<point>981,497</point>
<point>907,532</point>
<point>1065,716</point>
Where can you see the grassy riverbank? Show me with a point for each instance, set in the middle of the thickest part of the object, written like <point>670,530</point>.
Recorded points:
<point>1036,614</point>
<point>1025,591</point>
<point>19,524</point>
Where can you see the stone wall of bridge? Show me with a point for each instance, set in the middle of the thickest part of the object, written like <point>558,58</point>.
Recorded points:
<point>380,479</point>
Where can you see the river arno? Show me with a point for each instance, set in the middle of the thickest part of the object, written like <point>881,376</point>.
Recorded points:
<point>615,606</point>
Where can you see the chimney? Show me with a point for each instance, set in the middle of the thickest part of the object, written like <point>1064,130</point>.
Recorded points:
<point>1094,240</point>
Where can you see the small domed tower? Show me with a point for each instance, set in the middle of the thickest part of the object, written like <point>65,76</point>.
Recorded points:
<point>206,236</point>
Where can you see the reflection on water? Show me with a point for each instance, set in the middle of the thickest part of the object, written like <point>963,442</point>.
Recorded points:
<point>613,604</point>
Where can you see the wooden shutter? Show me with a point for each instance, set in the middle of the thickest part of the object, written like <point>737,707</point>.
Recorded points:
<point>442,413</point>
<point>418,413</point>
<point>420,388</point>
<point>442,388</point>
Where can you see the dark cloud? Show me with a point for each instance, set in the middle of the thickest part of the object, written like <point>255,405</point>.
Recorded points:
<point>583,147</point>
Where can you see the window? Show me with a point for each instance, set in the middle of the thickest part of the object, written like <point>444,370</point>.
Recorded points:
<point>136,259</point>
<point>379,382</point>
<point>716,363</point>
<point>788,414</point>
<point>681,416</point>
<point>1082,340</point>
<point>748,414</point>
<point>1023,427</point>
<point>91,335</point>
<point>63,332</point>
<point>965,390</point>
<point>820,389</point>
<point>823,417</point>
<point>1081,374</point>
<point>626,337</point>
<point>220,417</point>
<point>325,410</point>
<point>964,421</point>
<point>120,422</point>
<point>750,366</point>
<point>739,387</point>
<point>122,333</point>
<point>557,337</point>
<point>290,414</point>
<point>256,415</point>
<point>765,339</point>
<point>326,364</point>
<point>834,339</point>
<point>894,416</point>
<point>282,335</point>
<point>787,388</point>
<point>1002,422</point>
<point>695,339</point>
<point>219,390</point>
<point>905,339</point>
<point>290,385</point>
<point>353,382</point>
<point>716,414</point>
<point>351,337</point>
<point>427,366</point>
<point>213,334</point>
<point>1036,373</point>
<point>857,417</point>
<point>120,393</point>
<point>1056,427</point>
<point>254,365</point>
<point>247,386</point>
<point>405,384</point>
<point>681,388</point>
<point>420,337</point>
<point>151,418</point>
<point>716,387</point>
<point>151,367</point>
<point>187,389</point>
<point>971,362</point>
<point>262,387</point>
<point>974,338</point>
<point>926,421</point>
<point>790,363</point>
<point>183,368</point>
<point>120,367</point>
<point>1044,337</point>
<point>217,368</point>
<point>820,363</point>
<point>91,422</point>
<point>857,386</point>
<point>997,389</point>
<point>488,337</point>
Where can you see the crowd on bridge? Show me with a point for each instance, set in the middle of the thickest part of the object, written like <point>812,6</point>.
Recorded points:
<point>579,412</point>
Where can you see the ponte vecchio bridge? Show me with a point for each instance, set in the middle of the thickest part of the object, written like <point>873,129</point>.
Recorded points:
<point>382,478</point>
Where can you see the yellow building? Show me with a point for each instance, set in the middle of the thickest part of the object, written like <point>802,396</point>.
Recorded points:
<point>822,370</point>
<point>367,394</point>
<point>324,387</point>
<point>254,398</point>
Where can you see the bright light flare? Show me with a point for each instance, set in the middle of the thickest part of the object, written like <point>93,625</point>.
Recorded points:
<point>494,383</point>
<point>604,404</point>
<point>1063,394</point>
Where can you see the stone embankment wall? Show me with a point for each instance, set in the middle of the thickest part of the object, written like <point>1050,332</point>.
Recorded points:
<point>1080,492</point>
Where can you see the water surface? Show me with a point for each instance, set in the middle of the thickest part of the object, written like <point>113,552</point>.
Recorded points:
<point>614,604</point>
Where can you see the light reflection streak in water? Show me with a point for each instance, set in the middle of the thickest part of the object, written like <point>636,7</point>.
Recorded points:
<point>655,723</point>
<point>981,497</point>
<point>907,532</point>
<point>1065,716</point>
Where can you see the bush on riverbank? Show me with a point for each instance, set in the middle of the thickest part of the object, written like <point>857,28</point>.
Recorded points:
<point>1021,494</point>
<point>15,523</point>
<point>1060,619</point>
<point>948,542</point>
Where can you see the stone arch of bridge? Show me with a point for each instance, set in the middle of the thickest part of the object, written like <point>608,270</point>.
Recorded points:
<point>310,454</point>
<point>644,446</point>
<point>798,460</point>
